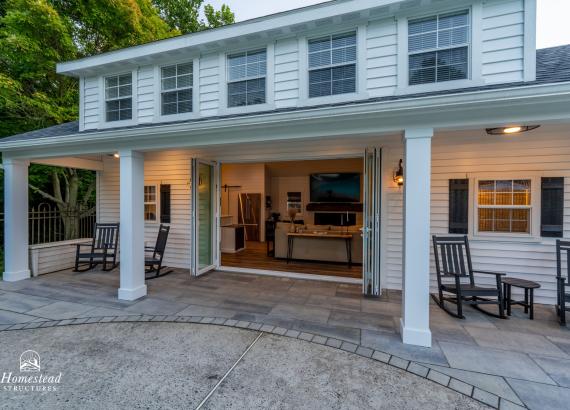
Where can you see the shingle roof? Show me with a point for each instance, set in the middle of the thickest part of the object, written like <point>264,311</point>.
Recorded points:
<point>552,66</point>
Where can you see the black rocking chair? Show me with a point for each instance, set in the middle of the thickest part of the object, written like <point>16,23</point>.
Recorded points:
<point>102,249</point>
<point>563,287</point>
<point>154,263</point>
<point>453,260</point>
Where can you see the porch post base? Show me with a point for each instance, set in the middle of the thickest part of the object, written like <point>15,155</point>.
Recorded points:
<point>132,294</point>
<point>417,337</point>
<point>16,276</point>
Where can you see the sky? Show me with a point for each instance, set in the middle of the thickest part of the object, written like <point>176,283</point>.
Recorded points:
<point>553,28</point>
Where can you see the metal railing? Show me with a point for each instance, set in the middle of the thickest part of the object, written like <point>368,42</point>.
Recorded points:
<point>46,224</point>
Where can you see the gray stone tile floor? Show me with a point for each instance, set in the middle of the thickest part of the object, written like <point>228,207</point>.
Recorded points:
<point>504,363</point>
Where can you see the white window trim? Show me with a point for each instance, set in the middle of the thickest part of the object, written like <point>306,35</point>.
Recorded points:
<point>103,123</point>
<point>195,113</point>
<point>533,235</point>
<point>157,203</point>
<point>269,82</point>
<point>474,79</point>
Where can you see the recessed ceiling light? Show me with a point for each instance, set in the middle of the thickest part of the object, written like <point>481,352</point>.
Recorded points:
<point>512,129</point>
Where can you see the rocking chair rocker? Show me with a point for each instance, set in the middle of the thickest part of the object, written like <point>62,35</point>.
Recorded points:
<point>154,263</point>
<point>453,260</point>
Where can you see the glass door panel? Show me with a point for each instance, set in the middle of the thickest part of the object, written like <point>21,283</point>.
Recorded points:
<point>371,226</point>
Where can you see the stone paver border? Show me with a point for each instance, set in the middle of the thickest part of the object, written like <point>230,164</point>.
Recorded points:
<point>415,368</point>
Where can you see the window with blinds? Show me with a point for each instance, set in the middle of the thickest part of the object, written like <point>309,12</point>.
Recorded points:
<point>176,85</point>
<point>438,48</point>
<point>119,97</point>
<point>332,65</point>
<point>246,78</point>
<point>504,206</point>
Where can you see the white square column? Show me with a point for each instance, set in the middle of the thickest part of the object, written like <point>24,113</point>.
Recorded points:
<point>414,324</point>
<point>16,261</point>
<point>132,225</point>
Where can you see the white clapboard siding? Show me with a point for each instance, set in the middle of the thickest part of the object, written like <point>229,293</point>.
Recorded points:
<point>167,168</point>
<point>210,83</point>
<point>503,41</point>
<point>286,73</point>
<point>91,103</point>
<point>465,155</point>
<point>145,94</point>
<point>381,58</point>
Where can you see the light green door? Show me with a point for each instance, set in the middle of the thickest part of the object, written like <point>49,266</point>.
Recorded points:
<point>204,214</point>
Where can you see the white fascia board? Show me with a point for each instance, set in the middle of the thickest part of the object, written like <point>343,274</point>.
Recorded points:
<point>262,24</point>
<point>465,110</point>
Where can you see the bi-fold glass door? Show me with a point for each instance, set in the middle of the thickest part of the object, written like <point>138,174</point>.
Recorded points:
<point>371,221</point>
<point>205,212</point>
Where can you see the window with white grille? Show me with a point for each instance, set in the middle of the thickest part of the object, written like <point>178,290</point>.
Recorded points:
<point>119,97</point>
<point>504,206</point>
<point>176,85</point>
<point>332,65</point>
<point>438,48</point>
<point>246,78</point>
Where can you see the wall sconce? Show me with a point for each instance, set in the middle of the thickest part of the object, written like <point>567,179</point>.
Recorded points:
<point>513,129</point>
<point>399,174</point>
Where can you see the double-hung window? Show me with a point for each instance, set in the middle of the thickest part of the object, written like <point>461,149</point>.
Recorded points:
<point>438,48</point>
<point>246,78</point>
<point>119,97</point>
<point>176,86</point>
<point>150,203</point>
<point>504,206</point>
<point>332,65</point>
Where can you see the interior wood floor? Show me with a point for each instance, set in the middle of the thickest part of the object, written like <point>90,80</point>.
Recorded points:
<point>254,256</point>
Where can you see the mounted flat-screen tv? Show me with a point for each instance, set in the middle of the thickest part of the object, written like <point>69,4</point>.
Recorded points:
<point>338,187</point>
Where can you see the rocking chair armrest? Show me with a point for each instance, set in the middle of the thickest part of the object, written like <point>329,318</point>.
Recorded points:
<point>562,281</point>
<point>487,272</point>
<point>149,248</point>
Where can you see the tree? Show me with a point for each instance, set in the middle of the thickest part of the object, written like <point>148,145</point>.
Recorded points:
<point>184,15</point>
<point>72,191</point>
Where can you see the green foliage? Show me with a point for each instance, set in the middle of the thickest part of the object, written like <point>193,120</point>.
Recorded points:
<point>184,15</point>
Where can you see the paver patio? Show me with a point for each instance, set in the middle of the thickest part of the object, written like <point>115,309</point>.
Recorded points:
<point>503,363</point>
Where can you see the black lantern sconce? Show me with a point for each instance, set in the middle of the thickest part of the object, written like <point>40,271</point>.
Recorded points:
<point>399,174</point>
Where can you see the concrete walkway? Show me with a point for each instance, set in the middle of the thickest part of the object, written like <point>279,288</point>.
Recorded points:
<point>503,363</point>
<point>191,366</point>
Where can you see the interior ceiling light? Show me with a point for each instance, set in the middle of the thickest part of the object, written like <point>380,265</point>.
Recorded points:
<point>513,129</point>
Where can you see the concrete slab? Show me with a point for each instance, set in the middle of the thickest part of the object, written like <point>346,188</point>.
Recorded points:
<point>125,365</point>
<point>197,310</point>
<point>541,397</point>
<point>21,303</point>
<point>9,318</point>
<point>309,313</point>
<point>309,376</point>
<point>370,321</point>
<point>153,306</point>
<point>557,369</point>
<point>491,361</point>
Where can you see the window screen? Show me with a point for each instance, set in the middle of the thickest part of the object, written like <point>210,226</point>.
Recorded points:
<point>176,84</point>
<point>246,78</point>
<point>119,97</point>
<point>332,65</point>
<point>438,48</point>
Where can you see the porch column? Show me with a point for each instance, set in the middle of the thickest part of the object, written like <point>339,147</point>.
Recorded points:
<point>132,225</point>
<point>414,324</point>
<point>16,260</point>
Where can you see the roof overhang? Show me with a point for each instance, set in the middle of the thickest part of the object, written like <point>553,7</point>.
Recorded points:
<point>470,110</point>
<point>275,26</point>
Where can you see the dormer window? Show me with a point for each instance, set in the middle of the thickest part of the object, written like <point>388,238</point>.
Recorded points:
<point>176,89</point>
<point>246,78</point>
<point>332,65</point>
<point>438,48</point>
<point>119,97</point>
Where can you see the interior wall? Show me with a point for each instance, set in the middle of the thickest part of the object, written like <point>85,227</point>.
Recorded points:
<point>251,180</point>
<point>294,177</point>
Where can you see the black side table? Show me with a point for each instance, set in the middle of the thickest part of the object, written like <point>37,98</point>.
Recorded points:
<point>528,302</point>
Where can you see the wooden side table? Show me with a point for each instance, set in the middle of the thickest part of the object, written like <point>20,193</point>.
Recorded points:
<point>528,302</point>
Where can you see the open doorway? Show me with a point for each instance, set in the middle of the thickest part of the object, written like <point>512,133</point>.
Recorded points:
<point>293,216</point>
